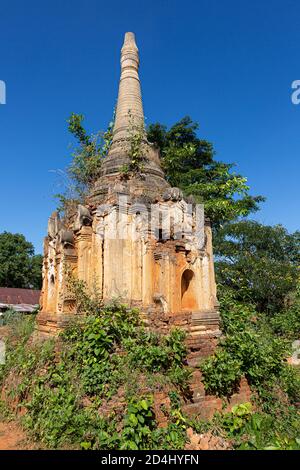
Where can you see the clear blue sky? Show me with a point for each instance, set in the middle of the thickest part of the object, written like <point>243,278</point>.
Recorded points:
<point>227,63</point>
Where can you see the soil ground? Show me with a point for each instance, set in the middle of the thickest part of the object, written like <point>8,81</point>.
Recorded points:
<point>12,437</point>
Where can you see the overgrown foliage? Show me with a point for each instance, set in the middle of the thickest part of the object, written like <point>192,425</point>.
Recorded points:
<point>249,349</point>
<point>188,162</point>
<point>256,430</point>
<point>85,166</point>
<point>252,348</point>
<point>101,354</point>
<point>286,322</point>
<point>135,147</point>
<point>66,391</point>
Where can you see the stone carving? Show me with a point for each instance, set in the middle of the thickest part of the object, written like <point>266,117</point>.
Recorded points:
<point>66,238</point>
<point>54,225</point>
<point>173,194</point>
<point>160,299</point>
<point>190,199</point>
<point>83,217</point>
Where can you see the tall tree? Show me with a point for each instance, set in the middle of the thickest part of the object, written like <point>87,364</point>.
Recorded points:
<point>189,164</point>
<point>259,263</point>
<point>19,266</point>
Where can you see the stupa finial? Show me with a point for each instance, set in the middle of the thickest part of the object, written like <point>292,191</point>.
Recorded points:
<point>129,118</point>
<point>129,105</point>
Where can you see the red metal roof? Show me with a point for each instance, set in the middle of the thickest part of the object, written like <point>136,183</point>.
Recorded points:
<point>19,296</point>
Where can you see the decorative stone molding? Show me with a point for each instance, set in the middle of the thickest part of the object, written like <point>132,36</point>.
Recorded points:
<point>66,238</point>
<point>173,194</point>
<point>83,217</point>
<point>54,225</point>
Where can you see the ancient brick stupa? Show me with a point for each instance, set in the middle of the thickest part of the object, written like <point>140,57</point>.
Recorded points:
<point>135,238</point>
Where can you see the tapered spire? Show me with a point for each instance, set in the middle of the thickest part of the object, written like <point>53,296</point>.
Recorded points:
<point>129,109</point>
<point>129,115</point>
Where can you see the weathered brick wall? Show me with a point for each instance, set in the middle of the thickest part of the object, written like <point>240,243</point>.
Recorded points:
<point>200,405</point>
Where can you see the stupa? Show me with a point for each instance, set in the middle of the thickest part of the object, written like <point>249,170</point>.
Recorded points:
<point>135,238</point>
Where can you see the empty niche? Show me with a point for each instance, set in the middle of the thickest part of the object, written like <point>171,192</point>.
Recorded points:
<point>188,297</point>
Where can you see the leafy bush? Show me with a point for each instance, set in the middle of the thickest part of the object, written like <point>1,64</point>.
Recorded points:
<point>86,162</point>
<point>153,352</point>
<point>221,373</point>
<point>255,430</point>
<point>234,421</point>
<point>250,349</point>
<point>139,424</point>
<point>286,323</point>
<point>260,431</point>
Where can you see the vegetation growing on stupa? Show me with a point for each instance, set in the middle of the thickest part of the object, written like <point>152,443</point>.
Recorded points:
<point>135,148</point>
<point>188,162</point>
<point>86,161</point>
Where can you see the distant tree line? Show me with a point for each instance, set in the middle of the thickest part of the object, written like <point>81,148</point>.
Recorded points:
<point>20,267</point>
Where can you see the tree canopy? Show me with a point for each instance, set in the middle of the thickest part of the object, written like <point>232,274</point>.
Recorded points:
<point>19,266</point>
<point>260,263</point>
<point>189,164</point>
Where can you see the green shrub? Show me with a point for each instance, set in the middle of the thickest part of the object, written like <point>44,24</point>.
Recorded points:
<point>260,431</point>
<point>221,373</point>
<point>234,421</point>
<point>154,352</point>
<point>139,424</point>
<point>287,322</point>
<point>255,430</point>
<point>249,349</point>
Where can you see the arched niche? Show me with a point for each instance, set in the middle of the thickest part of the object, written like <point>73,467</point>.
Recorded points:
<point>188,292</point>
